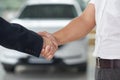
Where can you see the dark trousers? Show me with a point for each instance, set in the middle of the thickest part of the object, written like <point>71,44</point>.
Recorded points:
<point>107,74</point>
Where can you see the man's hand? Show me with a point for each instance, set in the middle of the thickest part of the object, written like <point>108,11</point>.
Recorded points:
<point>50,45</point>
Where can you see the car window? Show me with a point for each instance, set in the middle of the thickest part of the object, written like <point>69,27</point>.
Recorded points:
<point>49,11</point>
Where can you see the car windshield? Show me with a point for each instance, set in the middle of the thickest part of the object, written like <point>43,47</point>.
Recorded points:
<point>49,12</point>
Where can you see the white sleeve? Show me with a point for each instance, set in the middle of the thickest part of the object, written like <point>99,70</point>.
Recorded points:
<point>92,1</point>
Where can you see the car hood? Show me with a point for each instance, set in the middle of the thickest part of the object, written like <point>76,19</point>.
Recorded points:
<point>42,25</point>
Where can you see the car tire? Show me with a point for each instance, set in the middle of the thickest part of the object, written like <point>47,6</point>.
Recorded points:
<point>9,68</point>
<point>82,68</point>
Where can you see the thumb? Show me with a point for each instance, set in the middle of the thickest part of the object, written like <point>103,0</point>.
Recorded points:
<point>42,33</point>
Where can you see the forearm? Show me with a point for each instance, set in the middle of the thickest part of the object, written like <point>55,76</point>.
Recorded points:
<point>77,28</point>
<point>73,31</point>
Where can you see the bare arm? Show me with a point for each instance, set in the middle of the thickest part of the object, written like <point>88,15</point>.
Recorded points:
<point>78,27</point>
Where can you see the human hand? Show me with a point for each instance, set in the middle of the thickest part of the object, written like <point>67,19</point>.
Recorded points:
<point>50,45</point>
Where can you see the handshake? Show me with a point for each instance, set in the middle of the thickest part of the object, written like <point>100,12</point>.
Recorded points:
<point>50,45</point>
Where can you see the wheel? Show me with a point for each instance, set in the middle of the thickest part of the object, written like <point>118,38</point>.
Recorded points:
<point>9,68</point>
<point>82,68</point>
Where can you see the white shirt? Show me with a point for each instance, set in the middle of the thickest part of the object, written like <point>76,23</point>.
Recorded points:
<point>107,13</point>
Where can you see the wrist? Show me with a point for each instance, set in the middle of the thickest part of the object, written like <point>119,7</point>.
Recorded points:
<point>59,42</point>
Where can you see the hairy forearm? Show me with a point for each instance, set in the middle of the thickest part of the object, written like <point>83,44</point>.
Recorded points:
<point>76,29</point>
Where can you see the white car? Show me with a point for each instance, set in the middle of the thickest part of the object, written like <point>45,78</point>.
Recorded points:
<point>48,15</point>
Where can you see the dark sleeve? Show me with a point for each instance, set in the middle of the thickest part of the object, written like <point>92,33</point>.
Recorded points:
<point>15,36</point>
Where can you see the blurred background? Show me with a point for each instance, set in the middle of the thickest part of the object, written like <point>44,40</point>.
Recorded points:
<point>72,61</point>
<point>9,8</point>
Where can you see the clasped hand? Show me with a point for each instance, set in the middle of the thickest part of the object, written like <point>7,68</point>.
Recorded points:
<point>50,45</point>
